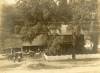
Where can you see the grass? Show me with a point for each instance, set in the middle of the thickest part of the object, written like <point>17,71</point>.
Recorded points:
<point>86,60</point>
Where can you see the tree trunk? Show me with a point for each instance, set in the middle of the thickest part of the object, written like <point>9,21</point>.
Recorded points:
<point>73,56</point>
<point>74,35</point>
<point>74,49</point>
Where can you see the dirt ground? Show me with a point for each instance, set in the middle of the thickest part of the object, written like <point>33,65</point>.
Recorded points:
<point>55,64</point>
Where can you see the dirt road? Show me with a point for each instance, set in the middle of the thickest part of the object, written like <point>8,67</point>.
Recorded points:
<point>84,65</point>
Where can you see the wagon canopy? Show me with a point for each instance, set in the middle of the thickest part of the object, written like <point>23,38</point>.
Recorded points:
<point>40,40</point>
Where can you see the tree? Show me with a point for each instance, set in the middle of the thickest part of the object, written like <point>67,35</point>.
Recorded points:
<point>82,19</point>
<point>38,15</point>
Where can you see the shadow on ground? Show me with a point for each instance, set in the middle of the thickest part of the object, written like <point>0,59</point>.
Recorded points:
<point>43,66</point>
<point>61,64</point>
<point>2,58</point>
<point>10,66</point>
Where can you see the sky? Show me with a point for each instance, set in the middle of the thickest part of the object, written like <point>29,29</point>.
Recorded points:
<point>8,2</point>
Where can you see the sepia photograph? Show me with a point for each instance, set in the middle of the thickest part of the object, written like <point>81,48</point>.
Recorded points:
<point>49,36</point>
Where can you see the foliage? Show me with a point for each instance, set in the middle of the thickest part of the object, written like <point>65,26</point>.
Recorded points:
<point>84,13</point>
<point>37,14</point>
<point>34,17</point>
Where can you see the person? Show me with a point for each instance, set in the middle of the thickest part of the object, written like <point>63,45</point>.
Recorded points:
<point>14,57</point>
<point>31,53</point>
<point>10,56</point>
<point>45,57</point>
<point>19,56</point>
